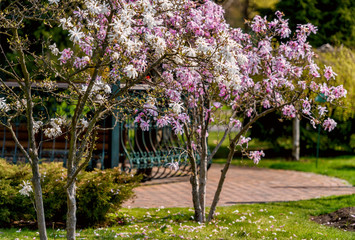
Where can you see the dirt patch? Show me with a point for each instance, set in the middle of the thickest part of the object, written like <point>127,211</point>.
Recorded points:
<point>343,218</point>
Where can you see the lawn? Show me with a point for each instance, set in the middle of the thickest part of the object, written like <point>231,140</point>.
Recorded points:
<point>286,220</point>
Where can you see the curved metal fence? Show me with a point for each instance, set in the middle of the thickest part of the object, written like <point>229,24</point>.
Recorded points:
<point>123,145</point>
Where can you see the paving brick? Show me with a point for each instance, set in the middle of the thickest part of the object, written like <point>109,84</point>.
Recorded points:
<point>242,185</point>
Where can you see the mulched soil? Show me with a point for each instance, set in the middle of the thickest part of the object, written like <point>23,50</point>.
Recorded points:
<point>343,218</point>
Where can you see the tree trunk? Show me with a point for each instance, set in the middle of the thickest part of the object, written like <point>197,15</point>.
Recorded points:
<point>71,214</point>
<point>221,182</point>
<point>296,139</point>
<point>203,179</point>
<point>195,197</point>
<point>37,190</point>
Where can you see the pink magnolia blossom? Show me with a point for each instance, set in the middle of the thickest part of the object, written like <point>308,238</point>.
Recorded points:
<point>243,140</point>
<point>329,124</point>
<point>328,73</point>
<point>256,156</point>
<point>66,54</point>
<point>289,111</point>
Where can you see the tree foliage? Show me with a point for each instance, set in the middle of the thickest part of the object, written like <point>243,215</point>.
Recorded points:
<point>334,19</point>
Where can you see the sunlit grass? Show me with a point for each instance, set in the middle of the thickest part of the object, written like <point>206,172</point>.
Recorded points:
<point>285,220</point>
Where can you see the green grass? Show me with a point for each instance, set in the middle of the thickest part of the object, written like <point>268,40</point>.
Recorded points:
<point>285,220</point>
<point>341,167</point>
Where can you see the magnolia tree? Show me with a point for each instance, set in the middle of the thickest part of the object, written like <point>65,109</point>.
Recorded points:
<point>198,64</point>
<point>249,75</point>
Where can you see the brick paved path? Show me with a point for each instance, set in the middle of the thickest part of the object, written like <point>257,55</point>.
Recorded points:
<point>242,185</point>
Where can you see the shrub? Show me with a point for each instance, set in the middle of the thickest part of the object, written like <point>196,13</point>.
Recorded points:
<point>102,192</point>
<point>98,193</point>
<point>12,204</point>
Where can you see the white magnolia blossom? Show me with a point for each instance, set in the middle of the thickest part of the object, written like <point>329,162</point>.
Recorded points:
<point>189,52</point>
<point>37,125</point>
<point>53,132</point>
<point>53,1</point>
<point>133,46</point>
<point>160,46</point>
<point>165,4</point>
<point>65,23</point>
<point>54,49</point>
<point>151,102</point>
<point>242,59</point>
<point>127,15</point>
<point>4,107</point>
<point>98,86</point>
<point>75,34</point>
<point>93,23</point>
<point>176,107</point>
<point>115,56</point>
<point>173,166</point>
<point>149,20</point>
<point>58,121</point>
<point>202,46</point>
<point>100,99</point>
<point>55,129</point>
<point>130,71</point>
<point>107,89</point>
<point>96,7</point>
<point>84,123</point>
<point>26,188</point>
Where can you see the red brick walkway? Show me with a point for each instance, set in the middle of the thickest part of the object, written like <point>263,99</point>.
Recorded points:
<point>243,185</point>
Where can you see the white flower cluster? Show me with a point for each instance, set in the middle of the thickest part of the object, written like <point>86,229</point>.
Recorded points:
<point>189,52</point>
<point>165,4</point>
<point>37,125</point>
<point>84,123</point>
<point>75,35</point>
<point>131,71</point>
<point>96,7</point>
<point>4,107</point>
<point>176,107</point>
<point>157,43</point>
<point>227,59</point>
<point>55,129</point>
<point>101,86</point>
<point>54,49</point>
<point>53,1</point>
<point>98,87</point>
<point>99,91</point>
<point>65,23</point>
<point>203,46</point>
<point>26,188</point>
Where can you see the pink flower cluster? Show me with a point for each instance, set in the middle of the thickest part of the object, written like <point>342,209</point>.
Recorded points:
<point>256,156</point>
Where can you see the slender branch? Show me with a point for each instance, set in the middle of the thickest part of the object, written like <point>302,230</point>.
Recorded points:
<point>226,133</point>
<point>13,134</point>
<point>84,164</point>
